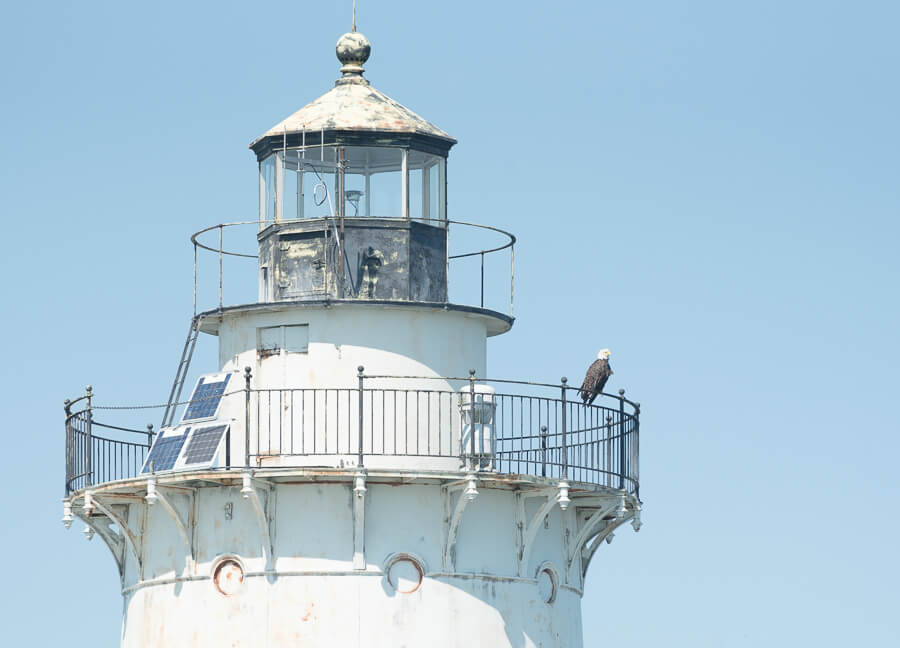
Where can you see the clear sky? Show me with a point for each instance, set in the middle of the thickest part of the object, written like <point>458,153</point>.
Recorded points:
<point>710,189</point>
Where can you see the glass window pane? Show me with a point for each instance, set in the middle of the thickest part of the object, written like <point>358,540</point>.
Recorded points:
<point>426,186</point>
<point>416,194</point>
<point>291,197</point>
<point>267,169</point>
<point>435,191</point>
<point>372,182</point>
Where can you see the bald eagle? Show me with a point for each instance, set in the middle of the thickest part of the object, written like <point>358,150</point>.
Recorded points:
<point>595,379</point>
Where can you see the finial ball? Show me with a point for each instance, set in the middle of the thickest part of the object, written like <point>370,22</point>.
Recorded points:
<point>353,49</point>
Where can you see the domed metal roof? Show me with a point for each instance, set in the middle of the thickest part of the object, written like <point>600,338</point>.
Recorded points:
<point>354,106</point>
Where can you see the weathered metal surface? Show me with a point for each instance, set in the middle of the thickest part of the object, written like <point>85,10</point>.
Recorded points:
<point>384,259</point>
<point>354,113</point>
<point>355,105</point>
<point>427,245</point>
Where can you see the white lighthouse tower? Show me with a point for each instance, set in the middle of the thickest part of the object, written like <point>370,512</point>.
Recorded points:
<point>351,474</point>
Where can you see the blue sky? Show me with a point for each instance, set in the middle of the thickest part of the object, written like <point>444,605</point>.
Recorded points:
<point>709,190</point>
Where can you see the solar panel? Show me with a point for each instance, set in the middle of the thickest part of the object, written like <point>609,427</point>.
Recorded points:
<point>203,444</point>
<point>165,451</point>
<point>206,398</point>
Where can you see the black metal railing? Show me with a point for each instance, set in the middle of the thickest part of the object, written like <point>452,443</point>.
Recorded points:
<point>542,430</point>
<point>92,458</point>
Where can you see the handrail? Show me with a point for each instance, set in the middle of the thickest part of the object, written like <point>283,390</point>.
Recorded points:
<point>328,222</point>
<point>621,395</point>
<point>325,219</point>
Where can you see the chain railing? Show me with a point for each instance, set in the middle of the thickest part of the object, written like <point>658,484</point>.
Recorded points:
<point>541,430</point>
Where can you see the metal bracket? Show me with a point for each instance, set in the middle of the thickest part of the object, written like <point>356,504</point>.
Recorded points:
<point>113,540</point>
<point>452,522</point>
<point>249,491</point>
<point>587,531</point>
<point>534,525</point>
<point>587,553</point>
<point>156,493</point>
<point>125,532</point>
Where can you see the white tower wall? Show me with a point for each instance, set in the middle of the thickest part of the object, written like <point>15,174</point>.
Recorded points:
<point>312,592</point>
<point>402,341</point>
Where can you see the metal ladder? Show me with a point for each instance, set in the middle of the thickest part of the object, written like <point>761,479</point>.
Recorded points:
<point>181,373</point>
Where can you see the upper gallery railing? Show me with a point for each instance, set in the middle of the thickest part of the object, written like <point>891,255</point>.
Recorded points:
<point>482,269</point>
<point>542,430</point>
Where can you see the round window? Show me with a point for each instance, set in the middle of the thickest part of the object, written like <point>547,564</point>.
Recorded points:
<point>546,582</point>
<point>228,576</point>
<point>405,575</point>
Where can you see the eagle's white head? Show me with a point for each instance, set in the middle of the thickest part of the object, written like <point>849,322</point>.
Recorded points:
<point>603,355</point>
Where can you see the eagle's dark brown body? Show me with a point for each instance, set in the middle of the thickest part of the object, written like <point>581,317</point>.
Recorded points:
<point>595,380</point>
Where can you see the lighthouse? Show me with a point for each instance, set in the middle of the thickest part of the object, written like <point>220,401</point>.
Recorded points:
<point>351,472</point>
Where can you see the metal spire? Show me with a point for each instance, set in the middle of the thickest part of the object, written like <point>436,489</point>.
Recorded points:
<point>354,16</point>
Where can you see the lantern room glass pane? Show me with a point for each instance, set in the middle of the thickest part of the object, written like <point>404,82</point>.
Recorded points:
<point>267,189</point>
<point>308,183</point>
<point>426,187</point>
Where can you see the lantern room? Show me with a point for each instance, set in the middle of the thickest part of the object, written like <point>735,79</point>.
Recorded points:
<point>352,196</point>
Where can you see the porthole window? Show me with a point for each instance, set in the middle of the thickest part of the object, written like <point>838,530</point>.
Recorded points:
<point>228,576</point>
<point>404,573</point>
<point>547,583</point>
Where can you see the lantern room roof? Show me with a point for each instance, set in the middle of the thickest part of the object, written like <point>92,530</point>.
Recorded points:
<point>353,106</point>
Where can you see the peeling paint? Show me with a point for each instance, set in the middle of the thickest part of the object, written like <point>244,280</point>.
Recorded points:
<point>394,259</point>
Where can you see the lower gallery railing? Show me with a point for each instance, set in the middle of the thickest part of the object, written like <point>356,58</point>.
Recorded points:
<point>474,428</point>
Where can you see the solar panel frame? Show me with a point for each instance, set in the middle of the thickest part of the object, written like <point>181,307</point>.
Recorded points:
<point>204,446</point>
<point>166,450</point>
<point>206,398</point>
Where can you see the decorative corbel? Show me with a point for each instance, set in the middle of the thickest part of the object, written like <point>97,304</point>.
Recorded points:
<point>249,492</point>
<point>452,522</point>
<point>157,494</point>
<point>92,502</point>
<point>112,539</point>
<point>606,533</point>
<point>552,499</point>
<point>592,525</point>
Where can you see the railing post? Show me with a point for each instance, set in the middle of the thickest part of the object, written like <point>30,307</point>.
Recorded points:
<point>607,451</point>
<point>149,434</point>
<point>247,375</point>
<point>220,266</point>
<point>543,451</point>
<point>565,449</point>
<point>512,279</point>
<point>482,279</point>
<point>359,459</point>
<point>635,451</point>
<point>195,279</point>
<point>88,418</point>
<point>472,419</point>
<point>70,462</point>
<point>622,449</point>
